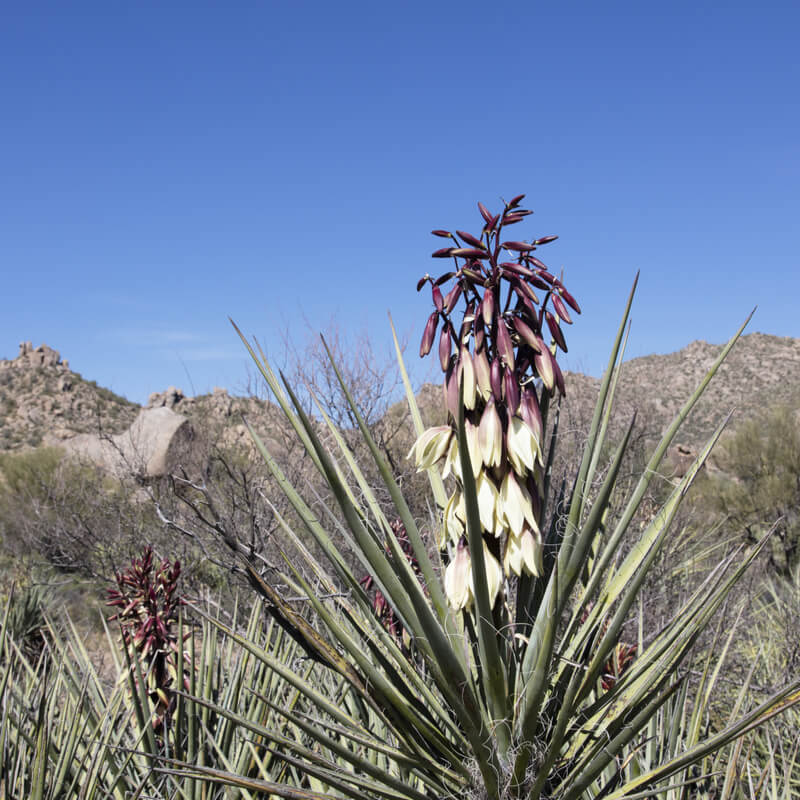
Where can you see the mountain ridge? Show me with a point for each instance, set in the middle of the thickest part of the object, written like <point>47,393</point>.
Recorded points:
<point>43,400</point>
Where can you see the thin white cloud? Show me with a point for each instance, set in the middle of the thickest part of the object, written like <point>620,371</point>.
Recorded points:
<point>205,353</point>
<point>155,337</point>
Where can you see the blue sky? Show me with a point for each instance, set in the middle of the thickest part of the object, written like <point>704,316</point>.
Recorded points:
<point>166,165</point>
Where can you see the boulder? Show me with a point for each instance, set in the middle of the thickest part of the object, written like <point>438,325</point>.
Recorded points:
<point>158,443</point>
<point>681,459</point>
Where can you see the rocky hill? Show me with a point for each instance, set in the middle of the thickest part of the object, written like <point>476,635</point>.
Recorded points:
<point>41,398</point>
<point>42,401</point>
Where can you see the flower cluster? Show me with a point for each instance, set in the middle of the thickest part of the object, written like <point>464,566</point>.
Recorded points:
<point>494,355</point>
<point>148,600</point>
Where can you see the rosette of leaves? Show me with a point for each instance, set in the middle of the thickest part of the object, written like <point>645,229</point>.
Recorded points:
<point>148,601</point>
<point>494,705</point>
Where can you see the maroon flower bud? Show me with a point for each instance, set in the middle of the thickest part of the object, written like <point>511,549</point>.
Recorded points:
<point>445,341</point>
<point>451,298</point>
<point>487,307</point>
<point>569,300</point>
<point>524,289</point>
<point>422,281</point>
<point>519,247</point>
<point>546,276</point>
<point>470,239</point>
<point>543,362</point>
<point>428,334</point>
<point>555,330</point>
<point>515,201</point>
<point>443,278</point>
<point>445,252</point>
<point>511,386</point>
<point>517,212</point>
<point>467,252</point>
<point>538,283</point>
<point>536,263</point>
<point>561,309</point>
<point>545,240</point>
<point>437,298</point>
<point>517,269</point>
<point>504,346</point>
<point>526,334</point>
<point>483,372</point>
<point>487,217</point>
<point>530,412</point>
<point>473,276</point>
<point>443,234</point>
<point>496,379</point>
<point>510,219</point>
<point>451,393</point>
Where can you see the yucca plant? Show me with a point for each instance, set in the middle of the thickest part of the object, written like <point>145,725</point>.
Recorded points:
<point>519,598</point>
<point>68,730</point>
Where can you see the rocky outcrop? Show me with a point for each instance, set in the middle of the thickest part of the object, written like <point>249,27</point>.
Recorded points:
<point>168,399</point>
<point>41,356</point>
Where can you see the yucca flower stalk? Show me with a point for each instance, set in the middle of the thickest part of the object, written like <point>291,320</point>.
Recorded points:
<point>500,374</point>
<point>147,597</point>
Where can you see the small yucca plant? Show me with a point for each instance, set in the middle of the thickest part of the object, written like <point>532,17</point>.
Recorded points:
<point>521,685</point>
<point>147,597</point>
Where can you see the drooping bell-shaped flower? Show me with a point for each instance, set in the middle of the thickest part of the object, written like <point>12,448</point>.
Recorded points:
<point>494,575</point>
<point>524,553</point>
<point>458,578</point>
<point>453,518</point>
<point>431,446</point>
<point>522,446</point>
<point>452,462</point>
<point>474,447</point>
<point>467,377</point>
<point>515,505</point>
<point>490,432</point>
<point>487,503</point>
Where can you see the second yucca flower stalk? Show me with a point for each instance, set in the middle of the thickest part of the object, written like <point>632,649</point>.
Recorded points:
<point>496,361</point>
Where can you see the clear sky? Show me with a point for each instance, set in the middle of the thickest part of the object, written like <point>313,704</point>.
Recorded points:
<point>164,165</point>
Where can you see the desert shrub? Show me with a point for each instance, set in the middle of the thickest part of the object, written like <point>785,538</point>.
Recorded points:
<point>73,515</point>
<point>756,488</point>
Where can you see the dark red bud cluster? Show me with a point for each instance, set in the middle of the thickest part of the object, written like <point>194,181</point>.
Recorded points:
<point>617,664</point>
<point>504,319</point>
<point>148,601</point>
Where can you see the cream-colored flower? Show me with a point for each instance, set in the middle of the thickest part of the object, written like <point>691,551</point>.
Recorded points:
<point>431,446</point>
<point>473,447</point>
<point>515,506</point>
<point>524,553</point>
<point>487,503</point>
<point>458,578</point>
<point>523,446</point>
<point>494,575</point>
<point>466,373</point>
<point>490,433</point>
<point>453,519</point>
<point>452,462</point>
